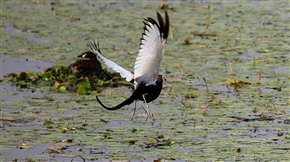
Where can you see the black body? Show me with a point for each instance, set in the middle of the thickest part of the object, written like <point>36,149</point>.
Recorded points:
<point>150,93</point>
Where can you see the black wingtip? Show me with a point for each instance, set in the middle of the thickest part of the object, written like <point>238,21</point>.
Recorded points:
<point>161,24</point>
<point>167,24</point>
<point>164,26</point>
<point>94,46</point>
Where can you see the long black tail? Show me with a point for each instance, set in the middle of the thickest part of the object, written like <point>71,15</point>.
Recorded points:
<point>126,102</point>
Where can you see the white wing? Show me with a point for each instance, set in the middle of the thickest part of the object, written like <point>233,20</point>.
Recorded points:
<point>151,50</point>
<point>123,72</point>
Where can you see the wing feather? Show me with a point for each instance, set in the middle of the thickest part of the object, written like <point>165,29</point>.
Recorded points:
<point>123,72</point>
<point>151,50</point>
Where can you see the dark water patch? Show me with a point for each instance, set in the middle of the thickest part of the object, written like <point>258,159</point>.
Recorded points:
<point>23,154</point>
<point>281,70</point>
<point>268,90</point>
<point>16,65</point>
<point>37,40</point>
<point>114,124</point>
<point>213,89</point>
<point>17,128</point>
<point>11,92</point>
<point>71,112</point>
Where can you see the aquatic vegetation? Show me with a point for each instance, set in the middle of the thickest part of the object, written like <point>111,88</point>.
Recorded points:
<point>62,81</point>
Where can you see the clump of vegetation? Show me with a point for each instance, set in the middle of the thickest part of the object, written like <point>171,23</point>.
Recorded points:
<point>59,78</point>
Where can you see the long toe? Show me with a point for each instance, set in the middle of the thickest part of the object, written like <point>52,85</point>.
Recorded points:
<point>149,114</point>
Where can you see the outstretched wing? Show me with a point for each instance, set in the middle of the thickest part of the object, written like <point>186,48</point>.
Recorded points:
<point>123,72</point>
<point>150,54</point>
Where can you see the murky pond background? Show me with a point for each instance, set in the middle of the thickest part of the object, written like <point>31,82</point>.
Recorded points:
<point>226,95</point>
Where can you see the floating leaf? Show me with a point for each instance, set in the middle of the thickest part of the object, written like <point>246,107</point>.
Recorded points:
<point>107,136</point>
<point>57,149</point>
<point>24,146</point>
<point>103,121</point>
<point>69,140</point>
<point>130,141</point>
<point>22,76</point>
<point>56,84</point>
<point>263,51</point>
<point>63,129</point>
<point>191,95</point>
<point>15,25</point>
<point>133,130</point>
<point>62,89</point>
<point>236,83</point>
<point>83,86</point>
<point>48,124</point>
<point>85,122</point>
<point>215,99</point>
<point>186,41</point>
<point>165,143</point>
<point>79,128</point>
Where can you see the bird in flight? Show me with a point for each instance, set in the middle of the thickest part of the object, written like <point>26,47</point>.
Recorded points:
<point>147,82</point>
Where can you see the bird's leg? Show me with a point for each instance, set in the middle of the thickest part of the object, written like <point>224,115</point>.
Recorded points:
<point>134,110</point>
<point>147,110</point>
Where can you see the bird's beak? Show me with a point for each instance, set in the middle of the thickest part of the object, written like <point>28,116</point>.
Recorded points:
<point>81,55</point>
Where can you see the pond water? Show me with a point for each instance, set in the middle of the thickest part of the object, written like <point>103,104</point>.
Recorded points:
<point>225,97</point>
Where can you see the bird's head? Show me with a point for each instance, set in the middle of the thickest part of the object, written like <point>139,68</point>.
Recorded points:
<point>159,79</point>
<point>89,55</point>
